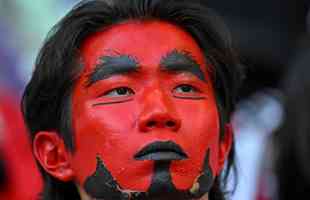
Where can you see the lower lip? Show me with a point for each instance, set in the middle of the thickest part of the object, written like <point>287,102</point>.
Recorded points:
<point>162,156</point>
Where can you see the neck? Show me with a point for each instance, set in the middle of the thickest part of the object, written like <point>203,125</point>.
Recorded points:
<point>85,196</point>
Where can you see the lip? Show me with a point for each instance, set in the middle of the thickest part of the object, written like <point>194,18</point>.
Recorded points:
<point>161,151</point>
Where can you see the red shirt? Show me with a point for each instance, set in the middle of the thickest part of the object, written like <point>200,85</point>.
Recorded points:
<point>24,181</point>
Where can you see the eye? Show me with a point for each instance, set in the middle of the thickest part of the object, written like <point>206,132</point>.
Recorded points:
<point>184,88</point>
<point>120,91</point>
<point>186,91</point>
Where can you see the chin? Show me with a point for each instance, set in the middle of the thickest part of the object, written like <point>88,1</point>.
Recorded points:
<point>102,186</point>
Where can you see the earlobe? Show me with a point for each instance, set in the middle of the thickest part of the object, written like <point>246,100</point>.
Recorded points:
<point>49,149</point>
<point>225,147</point>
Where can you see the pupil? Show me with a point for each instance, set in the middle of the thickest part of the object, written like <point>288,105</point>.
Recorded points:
<point>186,88</point>
<point>121,91</point>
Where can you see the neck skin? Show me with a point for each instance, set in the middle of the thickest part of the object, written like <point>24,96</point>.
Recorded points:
<point>85,196</point>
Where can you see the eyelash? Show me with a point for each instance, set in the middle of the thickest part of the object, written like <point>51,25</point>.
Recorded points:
<point>186,87</point>
<point>118,91</point>
<point>194,94</point>
<point>181,91</point>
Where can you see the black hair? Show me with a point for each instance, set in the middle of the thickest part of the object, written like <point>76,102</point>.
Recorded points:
<point>3,174</point>
<point>46,102</point>
<point>291,141</point>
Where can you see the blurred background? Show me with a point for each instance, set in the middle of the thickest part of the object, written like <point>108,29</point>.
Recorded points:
<point>269,35</point>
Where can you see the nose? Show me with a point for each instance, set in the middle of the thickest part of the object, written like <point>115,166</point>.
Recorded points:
<point>157,120</point>
<point>158,113</point>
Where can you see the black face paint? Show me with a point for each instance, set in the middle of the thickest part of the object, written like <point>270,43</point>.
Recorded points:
<point>161,151</point>
<point>182,61</point>
<point>112,65</point>
<point>205,180</point>
<point>102,186</point>
<point>112,102</point>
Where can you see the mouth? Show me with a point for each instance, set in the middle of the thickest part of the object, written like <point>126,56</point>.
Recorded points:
<point>161,151</point>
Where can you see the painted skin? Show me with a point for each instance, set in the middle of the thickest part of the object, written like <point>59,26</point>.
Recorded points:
<point>162,91</point>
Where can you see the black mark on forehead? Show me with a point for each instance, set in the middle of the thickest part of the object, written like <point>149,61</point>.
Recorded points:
<point>181,60</point>
<point>109,65</point>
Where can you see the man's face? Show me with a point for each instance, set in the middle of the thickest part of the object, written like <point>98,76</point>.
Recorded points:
<point>144,108</point>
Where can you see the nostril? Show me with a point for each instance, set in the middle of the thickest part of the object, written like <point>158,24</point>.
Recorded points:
<point>159,122</point>
<point>170,124</point>
<point>151,124</point>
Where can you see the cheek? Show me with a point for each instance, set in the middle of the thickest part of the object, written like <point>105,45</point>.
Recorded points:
<point>200,122</point>
<point>89,118</point>
<point>109,131</point>
<point>200,129</point>
<point>97,129</point>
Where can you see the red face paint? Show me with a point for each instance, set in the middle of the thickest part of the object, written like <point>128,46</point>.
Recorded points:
<point>116,115</point>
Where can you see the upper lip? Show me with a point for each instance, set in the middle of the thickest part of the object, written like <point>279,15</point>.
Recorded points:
<point>159,150</point>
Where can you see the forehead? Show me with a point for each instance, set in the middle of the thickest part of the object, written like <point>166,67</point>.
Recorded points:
<point>148,41</point>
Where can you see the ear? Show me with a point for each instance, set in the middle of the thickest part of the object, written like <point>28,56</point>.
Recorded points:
<point>49,149</point>
<point>225,147</point>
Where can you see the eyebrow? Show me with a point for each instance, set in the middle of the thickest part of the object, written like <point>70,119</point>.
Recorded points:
<point>181,61</point>
<point>112,65</point>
